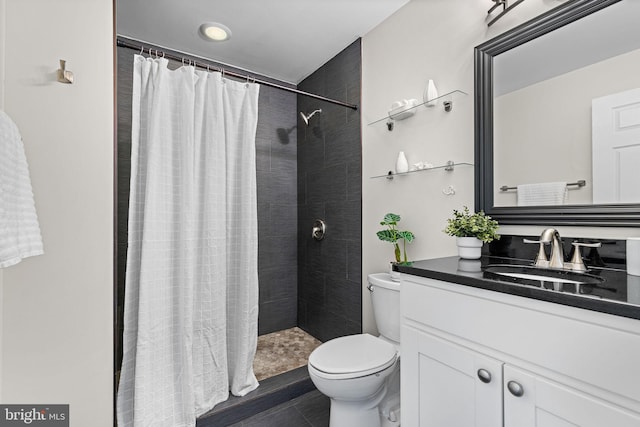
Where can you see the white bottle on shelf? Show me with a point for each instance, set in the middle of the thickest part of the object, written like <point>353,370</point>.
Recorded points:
<point>430,93</point>
<point>402,165</point>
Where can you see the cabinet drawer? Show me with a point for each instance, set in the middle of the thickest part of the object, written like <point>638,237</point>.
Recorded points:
<point>554,339</point>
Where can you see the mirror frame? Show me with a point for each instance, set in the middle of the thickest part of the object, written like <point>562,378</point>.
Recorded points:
<point>621,215</point>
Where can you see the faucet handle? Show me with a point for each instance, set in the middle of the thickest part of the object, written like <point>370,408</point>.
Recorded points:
<point>541,258</point>
<point>577,263</point>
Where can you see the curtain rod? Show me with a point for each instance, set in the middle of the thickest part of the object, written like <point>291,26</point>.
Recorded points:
<point>135,45</point>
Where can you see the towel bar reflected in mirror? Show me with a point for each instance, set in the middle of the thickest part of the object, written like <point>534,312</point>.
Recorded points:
<point>580,183</point>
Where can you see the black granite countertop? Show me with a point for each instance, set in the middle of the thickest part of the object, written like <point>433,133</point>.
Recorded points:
<point>618,294</point>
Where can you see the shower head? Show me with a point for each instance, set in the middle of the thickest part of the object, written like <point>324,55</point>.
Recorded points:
<point>307,117</point>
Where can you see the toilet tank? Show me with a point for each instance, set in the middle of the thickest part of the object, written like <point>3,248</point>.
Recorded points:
<point>385,297</point>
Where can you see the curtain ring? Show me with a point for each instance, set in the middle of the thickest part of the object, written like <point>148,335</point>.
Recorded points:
<point>142,50</point>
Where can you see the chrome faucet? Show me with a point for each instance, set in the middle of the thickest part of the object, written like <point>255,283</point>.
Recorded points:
<point>551,235</point>
<point>556,259</point>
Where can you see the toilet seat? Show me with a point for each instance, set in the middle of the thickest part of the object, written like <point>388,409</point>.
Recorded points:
<point>352,356</point>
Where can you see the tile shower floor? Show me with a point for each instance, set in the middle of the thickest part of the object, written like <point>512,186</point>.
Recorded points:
<point>282,351</point>
<point>286,396</point>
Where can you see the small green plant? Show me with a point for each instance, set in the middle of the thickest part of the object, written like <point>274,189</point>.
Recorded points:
<point>393,235</point>
<point>466,224</point>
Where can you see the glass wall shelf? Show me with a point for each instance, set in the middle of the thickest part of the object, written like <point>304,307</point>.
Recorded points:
<point>446,99</point>
<point>449,166</point>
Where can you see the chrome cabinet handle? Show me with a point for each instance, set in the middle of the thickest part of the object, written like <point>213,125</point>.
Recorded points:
<point>484,375</point>
<point>515,388</point>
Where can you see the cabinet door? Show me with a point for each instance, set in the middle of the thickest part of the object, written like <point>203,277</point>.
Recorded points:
<point>531,401</point>
<point>444,384</point>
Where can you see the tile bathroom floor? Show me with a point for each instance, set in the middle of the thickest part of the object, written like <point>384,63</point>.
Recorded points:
<point>309,410</point>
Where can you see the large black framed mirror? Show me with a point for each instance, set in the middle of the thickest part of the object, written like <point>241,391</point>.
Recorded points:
<point>520,82</point>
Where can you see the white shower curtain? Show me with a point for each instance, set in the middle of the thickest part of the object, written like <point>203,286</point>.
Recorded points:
<point>191,298</point>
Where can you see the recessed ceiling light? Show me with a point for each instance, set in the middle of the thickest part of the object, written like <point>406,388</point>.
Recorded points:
<point>215,31</point>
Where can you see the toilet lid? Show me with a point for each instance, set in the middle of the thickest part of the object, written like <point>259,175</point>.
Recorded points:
<point>354,354</point>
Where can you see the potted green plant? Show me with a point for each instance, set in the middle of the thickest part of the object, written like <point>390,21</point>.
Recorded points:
<point>393,235</point>
<point>471,231</point>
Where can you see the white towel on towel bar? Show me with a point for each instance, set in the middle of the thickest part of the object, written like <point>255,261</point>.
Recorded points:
<point>19,229</point>
<point>542,194</point>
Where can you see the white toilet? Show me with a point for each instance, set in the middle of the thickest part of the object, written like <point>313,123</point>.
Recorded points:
<point>361,373</point>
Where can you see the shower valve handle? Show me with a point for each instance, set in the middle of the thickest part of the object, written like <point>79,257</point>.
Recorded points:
<point>318,230</point>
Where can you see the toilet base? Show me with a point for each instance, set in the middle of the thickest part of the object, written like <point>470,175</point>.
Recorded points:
<point>386,422</point>
<point>382,409</point>
<point>389,408</point>
<point>348,414</point>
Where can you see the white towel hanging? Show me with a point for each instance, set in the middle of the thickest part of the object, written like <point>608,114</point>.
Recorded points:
<point>542,194</point>
<point>19,228</point>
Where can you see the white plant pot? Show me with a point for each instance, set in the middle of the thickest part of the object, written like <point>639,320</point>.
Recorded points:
<point>469,247</point>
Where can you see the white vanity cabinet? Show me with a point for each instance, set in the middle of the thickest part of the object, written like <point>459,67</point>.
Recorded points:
<point>539,401</point>
<point>472,357</point>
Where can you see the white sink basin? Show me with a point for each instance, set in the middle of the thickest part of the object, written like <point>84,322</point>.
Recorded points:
<point>539,277</point>
<point>529,275</point>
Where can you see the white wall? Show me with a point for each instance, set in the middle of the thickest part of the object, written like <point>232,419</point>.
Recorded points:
<point>2,25</point>
<point>57,307</point>
<point>426,39</point>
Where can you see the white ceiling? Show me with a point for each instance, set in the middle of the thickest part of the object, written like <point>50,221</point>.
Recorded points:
<point>283,39</point>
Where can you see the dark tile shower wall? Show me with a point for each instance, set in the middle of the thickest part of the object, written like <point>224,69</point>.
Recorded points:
<point>329,188</point>
<point>276,145</point>
<point>123,98</point>
<point>276,164</point>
